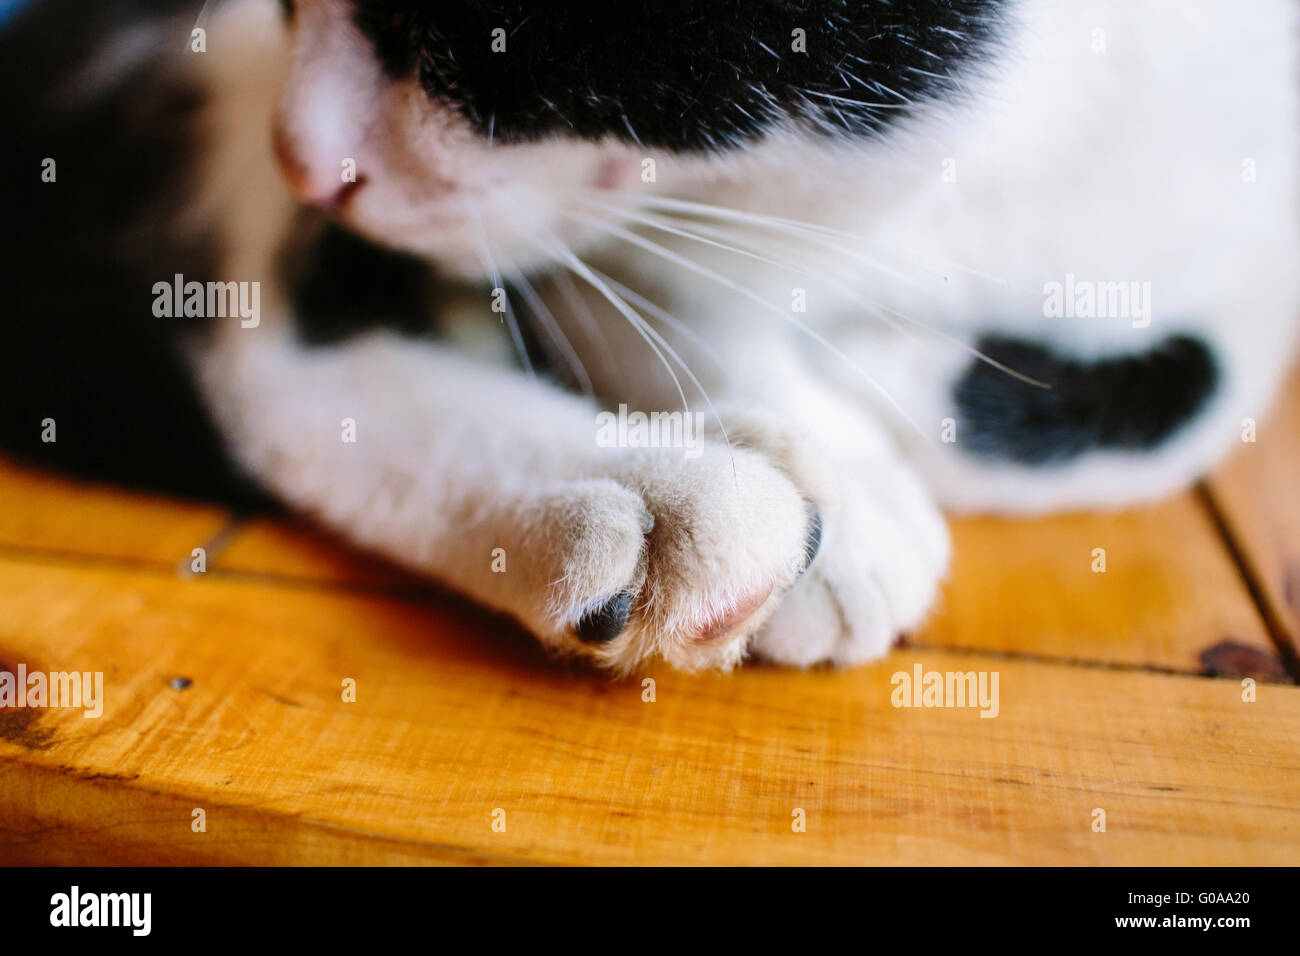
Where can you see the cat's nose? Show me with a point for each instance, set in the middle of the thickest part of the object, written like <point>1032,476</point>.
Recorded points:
<point>319,184</point>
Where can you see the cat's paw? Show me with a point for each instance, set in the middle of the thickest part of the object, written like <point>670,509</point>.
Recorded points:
<point>675,558</point>
<point>885,548</point>
<point>759,544</point>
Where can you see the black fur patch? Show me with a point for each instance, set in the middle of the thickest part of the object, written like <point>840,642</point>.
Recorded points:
<point>341,285</point>
<point>79,343</point>
<point>679,74</point>
<point>1132,403</point>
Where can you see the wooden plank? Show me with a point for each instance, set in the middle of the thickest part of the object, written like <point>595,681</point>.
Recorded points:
<point>1170,596</point>
<point>1258,494</point>
<point>457,715</point>
<point>46,512</point>
<point>287,548</point>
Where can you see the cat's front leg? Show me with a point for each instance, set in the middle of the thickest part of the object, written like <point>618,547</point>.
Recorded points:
<point>499,487</point>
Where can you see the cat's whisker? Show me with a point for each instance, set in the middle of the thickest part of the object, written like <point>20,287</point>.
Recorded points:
<point>605,286</point>
<point>543,314</point>
<point>702,231</point>
<point>856,104</point>
<point>881,311</point>
<point>669,255</point>
<point>672,322</point>
<point>701,234</point>
<point>775,222</point>
<point>696,236</point>
<point>624,292</point>
<point>674,230</point>
<point>484,252</point>
<point>806,233</point>
<point>579,309</point>
<point>963,345</point>
<point>558,250</point>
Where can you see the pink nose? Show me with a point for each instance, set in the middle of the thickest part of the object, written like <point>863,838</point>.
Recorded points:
<point>327,190</point>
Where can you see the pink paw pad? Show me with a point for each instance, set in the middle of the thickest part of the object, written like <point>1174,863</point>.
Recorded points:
<point>729,619</point>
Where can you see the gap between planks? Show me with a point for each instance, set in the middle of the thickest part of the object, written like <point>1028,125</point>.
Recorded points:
<point>1253,580</point>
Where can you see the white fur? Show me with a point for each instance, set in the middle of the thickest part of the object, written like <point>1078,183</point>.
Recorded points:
<point>1117,165</point>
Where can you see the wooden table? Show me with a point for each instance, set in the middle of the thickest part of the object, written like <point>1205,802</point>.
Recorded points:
<point>1119,692</point>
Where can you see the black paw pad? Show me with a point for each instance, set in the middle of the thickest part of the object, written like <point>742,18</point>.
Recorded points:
<point>606,622</point>
<point>813,542</point>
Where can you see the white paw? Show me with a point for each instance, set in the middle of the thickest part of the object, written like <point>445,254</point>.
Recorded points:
<point>884,551</point>
<point>699,561</point>
<point>717,540</point>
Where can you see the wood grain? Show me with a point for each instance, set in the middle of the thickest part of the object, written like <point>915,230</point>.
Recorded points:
<point>289,548</point>
<point>224,692</point>
<point>48,513</point>
<point>1170,591</point>
<point>458,714</point>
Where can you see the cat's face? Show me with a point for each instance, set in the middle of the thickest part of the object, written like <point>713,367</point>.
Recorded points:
<point>444,127</point>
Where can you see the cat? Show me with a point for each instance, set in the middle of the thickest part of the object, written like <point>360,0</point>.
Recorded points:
<point>878,259</point>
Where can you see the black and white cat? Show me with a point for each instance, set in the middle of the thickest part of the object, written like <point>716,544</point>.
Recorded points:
<point>801,218</point>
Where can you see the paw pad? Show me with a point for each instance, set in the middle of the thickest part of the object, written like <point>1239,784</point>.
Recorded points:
<point>605,622</point>
<point>813,542</point>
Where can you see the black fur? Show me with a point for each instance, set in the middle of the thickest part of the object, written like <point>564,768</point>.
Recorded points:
<point>341,285</point>
<point>679,74</point>
<point>1133,403</point>
<point>78,340</point>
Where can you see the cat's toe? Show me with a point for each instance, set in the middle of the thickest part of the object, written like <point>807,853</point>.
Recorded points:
<point>668,558</point>
<point>733,617</point>
<point>730,533</point>
<point>881,559</point>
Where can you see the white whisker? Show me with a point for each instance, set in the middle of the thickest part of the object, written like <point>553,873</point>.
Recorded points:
<point>773,222</point>
<point>665,227</point>
<point>543,314</point>
<point>602,284</point>
<point>489,265</point>
<point>668,254</point>
<point>624,291</point>
<point>790,230</point>
<point>582,312</point>
<point>850,293</point>
<point>580,268</point>
<point>672,321</point>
